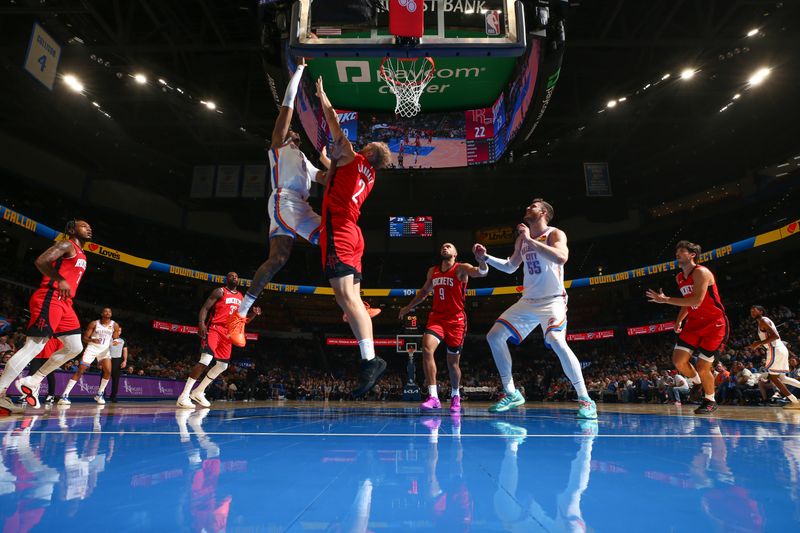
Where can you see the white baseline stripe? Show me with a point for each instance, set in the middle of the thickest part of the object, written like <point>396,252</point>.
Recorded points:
<point>425,435</point>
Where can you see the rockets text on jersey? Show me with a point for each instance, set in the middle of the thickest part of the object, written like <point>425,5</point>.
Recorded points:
<point>449,292</point>
<point>70,268</point>
<point>225,306</point>
<point>711,308</point>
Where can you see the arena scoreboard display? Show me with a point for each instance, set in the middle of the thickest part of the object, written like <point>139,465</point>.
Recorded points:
<point>411,226</point>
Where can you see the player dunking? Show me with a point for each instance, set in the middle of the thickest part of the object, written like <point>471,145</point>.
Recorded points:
<point>289,212</point>
<point>97,337</point>
<point>706,327</point>
<point>447,321</point>
<point>543,250</point>
<point>214,343</point>
<point>350,180</point>
<point>62,266</point>
<point>777,356</point>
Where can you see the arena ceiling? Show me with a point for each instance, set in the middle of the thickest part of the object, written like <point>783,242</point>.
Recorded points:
<point>668,139</point>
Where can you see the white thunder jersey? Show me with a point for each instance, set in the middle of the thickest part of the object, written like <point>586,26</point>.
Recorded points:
<point>764,334</point>
<point>290,170</point>
<point>103,334</point>
<point>544,278</point>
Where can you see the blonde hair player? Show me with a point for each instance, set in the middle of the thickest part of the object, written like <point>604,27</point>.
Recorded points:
<point>543,250</point>
<point>777,356</point>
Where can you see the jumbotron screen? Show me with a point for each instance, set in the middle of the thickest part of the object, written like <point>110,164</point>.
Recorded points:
<point>410,226</point>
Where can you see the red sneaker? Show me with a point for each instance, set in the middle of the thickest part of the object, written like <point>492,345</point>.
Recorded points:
<point>373,311</point>
<point>236,329</point>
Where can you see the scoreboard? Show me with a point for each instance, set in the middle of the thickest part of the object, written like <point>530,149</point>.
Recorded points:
<point>480,135</point>
<point>411,226</point>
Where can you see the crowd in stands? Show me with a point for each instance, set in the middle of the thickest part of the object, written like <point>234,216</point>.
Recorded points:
<point>622,369</point>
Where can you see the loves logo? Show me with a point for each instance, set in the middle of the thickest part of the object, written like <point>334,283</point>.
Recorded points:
<point>793,227</point>
<point>93,247</point>
<point>520,288</point>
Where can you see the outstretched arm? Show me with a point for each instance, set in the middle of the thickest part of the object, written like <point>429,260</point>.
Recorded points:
<point>339,138</point>
<point>281,129</point>
<point>702,280</point>
<point>421,295</point>
<point>468,271</point>
<point>508,265</point>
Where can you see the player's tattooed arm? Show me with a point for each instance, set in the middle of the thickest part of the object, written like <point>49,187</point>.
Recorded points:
<point>45,265</point>
<point>215,295</point>
<point>421,295</point>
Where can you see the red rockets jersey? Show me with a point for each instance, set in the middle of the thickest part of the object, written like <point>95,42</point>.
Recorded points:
<point>348,188</point>
<point>225,306</point>
<point>711,308</point>
<point>449,292</point>
<point>70,268</point>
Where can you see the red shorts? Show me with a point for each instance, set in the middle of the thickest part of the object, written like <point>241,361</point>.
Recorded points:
<point>51,316</point>
<point>706,337</point>
<point>217,343</point>
<point>50,348</point>
<point>450,331</point>
<point>342,246</point>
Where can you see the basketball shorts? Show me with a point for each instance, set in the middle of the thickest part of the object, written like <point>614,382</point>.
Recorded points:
<point>95,351</point>
<point>777,359</point>
<point>705,338</point>
<point>290,215</point>
<point>51,317</point>
<point>217,344</point>
<point>52,346</point>
<point>342,246</point>
<point>448,330</point>
<point>522,318</point>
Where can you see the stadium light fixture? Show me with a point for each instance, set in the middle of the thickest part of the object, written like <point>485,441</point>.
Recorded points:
<point>73,83</point>
<point>665,76</point>
<point>611,103</point>
<point>752,32</point>
<point>737,96</point>
<point>687,74</point>
<point>140,78</point>
<point>758,76</point>
<point>211,105</point>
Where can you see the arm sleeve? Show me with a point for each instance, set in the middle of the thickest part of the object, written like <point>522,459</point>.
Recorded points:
<point>291,89</point>
<point>504,265</point>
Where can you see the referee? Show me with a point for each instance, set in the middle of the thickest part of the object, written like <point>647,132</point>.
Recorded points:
<point>119,359</point>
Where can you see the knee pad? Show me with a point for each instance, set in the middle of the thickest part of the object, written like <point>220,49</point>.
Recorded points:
<point>206,358</point>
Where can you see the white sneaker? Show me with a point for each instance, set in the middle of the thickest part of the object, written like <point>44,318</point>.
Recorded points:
<point>30,389</point>
<point>64,401</point>
<point>99,399</point>
<point>184,402</point>
<point>200,397</point>
<point>8,407</point>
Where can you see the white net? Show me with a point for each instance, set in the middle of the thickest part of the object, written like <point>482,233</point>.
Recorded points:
<point>407,78</point>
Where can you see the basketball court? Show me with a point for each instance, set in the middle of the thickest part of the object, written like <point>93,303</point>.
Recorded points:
<point>384,467</point>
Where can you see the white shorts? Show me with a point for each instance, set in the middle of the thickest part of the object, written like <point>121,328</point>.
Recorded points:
<point>777,359</point>
<point>290,215</point>
<point>95,351</point>
<point>523,317</point>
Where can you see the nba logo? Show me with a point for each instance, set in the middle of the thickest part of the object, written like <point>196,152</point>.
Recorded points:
<point>492,23</point>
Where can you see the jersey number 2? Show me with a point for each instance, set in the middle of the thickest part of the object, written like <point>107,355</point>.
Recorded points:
<point>361,186</point>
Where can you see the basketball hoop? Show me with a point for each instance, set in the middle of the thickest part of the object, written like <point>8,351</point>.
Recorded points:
<point>411,349</point>
<point>407,77</point>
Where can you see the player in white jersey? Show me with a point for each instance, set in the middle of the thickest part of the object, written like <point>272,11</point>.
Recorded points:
<point>97,338</point>
<point>777,356</point>
<point>291,175</point>
<point>543,251</point>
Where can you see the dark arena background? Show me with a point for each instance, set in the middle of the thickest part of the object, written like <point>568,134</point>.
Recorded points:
<point>589,207</point>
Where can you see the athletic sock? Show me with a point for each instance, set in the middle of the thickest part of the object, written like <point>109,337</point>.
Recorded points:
<point>367,347</point>
<point>102,389</point>
<point>696,379</point>
<point>509,386</point>
<point>454,392</point>
<point>709,397</point>
<point>432,391</point>
<point>188,387</point>
<point>71,383</point>
<point>247,302</point>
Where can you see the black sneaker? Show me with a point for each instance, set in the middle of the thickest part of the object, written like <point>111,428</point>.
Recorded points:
<point>371,372</point>
<point>707,407</point>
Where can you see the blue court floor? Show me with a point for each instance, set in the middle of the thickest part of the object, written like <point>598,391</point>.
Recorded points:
<point>357,468</point>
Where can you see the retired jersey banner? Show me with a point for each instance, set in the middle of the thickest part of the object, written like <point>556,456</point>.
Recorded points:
<point>254,181</point>
<point>652,328</point>
<point>228,181</point>
<point>190,330</point>
<point>203,181</point>
<point>591,335</point>
<point>598,179</point>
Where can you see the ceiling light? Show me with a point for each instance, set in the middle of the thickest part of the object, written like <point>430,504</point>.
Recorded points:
<point>783,165</point>
<point>141,79</point>
<point>737,96</point>
<point>611,103</point>
<point>210,105</point>
<point>95,104</point>
<point>665,76</point>
<point>687,74</point>
<point>759,76</point>
<point>73,83</point>
<point>752,32</point>
<point>162,81</point>
<point>622,99</point>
